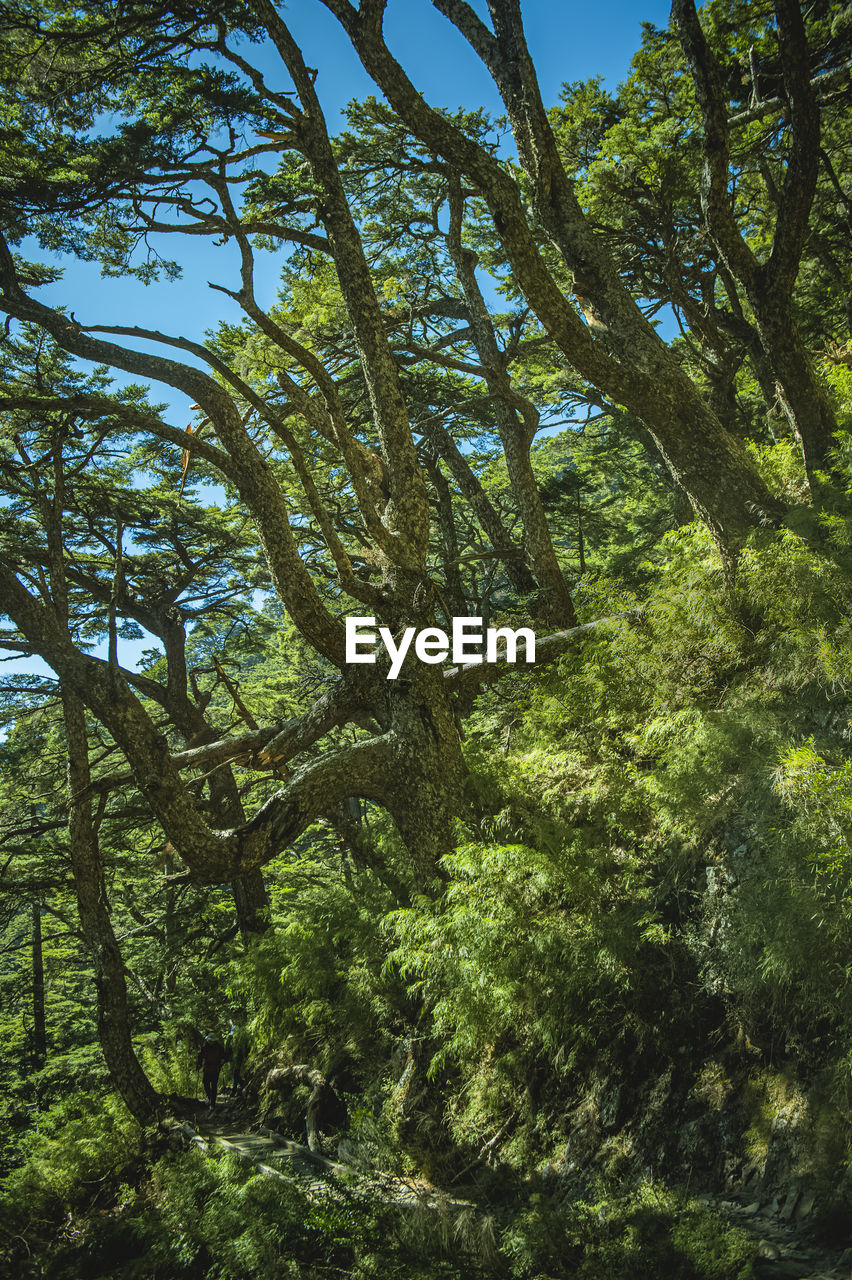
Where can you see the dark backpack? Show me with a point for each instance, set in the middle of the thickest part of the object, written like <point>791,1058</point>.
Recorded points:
<point>212,1055</point>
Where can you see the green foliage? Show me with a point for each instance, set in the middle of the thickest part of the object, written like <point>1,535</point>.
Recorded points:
<point>217,1219</point>
<point>657,832</point>
<point>194,1217</point>
<point>681,776</point>
<point>532,958</point>
<point>234,1223</point>
<point>86,1140</point>
<point>654,1232</point>
<point>314,981</point>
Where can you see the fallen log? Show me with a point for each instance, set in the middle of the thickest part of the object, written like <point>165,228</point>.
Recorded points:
<point>287,1077</point>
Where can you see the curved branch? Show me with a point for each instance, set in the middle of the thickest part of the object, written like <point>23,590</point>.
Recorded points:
<point>468,680</point>
<point>256,482</point>
<point>362,769</point>
<point>715,196</point>
<point>407,513</point>
<point>800,179</point>
<point>821,85</point>
<point>99,407</point>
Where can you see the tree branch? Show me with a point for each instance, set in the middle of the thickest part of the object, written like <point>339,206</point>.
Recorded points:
<point>716,200</point>
<point>467,680</point>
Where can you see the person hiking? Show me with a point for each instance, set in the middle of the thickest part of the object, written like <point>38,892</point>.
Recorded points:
<point>211,1055</point>
<point>239,1045</point>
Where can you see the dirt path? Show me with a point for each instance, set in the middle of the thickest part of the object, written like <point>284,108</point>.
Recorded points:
<point>279,1157</point>
<point>785,1243</point>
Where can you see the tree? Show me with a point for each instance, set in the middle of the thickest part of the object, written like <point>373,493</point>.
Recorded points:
<point>413,763</point>
<point>632,367</point>
<point>643,158</point>
<point>767,282</point>
<point>486,905</point>
<point>328,417</point>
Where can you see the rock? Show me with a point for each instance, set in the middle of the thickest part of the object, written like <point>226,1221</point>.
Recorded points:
<point>805,1205</point>
<point>782,1269</point>
<point>790,1204</point>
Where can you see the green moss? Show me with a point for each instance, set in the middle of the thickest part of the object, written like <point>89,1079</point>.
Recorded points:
<point>713,1086</point>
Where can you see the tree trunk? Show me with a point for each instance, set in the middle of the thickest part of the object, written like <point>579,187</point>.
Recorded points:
<point>554,599</point>
<point>768,284</point>
<point>170,936</point>
<point>252,902</point>
<point>429,770</point>
<point>628,363</point>
<point>356,837</point>
<point>581,541</point>
<point>471,489</point>
<point>113,1020</point>
<point>516,433</point>
<point>709,464</point>
<point>39,1021</point>
<point>800,394</point>
<point>453,584</point>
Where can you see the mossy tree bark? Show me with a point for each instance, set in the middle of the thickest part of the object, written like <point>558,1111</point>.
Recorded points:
<point>767,284</point>
<point>114,1030</point>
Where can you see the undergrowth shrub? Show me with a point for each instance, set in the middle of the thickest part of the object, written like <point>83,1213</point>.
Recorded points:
<point>531,959</point>
<point>314,982</point>
<point>660,822</point>
<point>83,1143</point>
<point>196,1218</point>
<point>652,1232</point>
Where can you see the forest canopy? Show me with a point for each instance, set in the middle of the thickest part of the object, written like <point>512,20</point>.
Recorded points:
<point>581,372</point>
